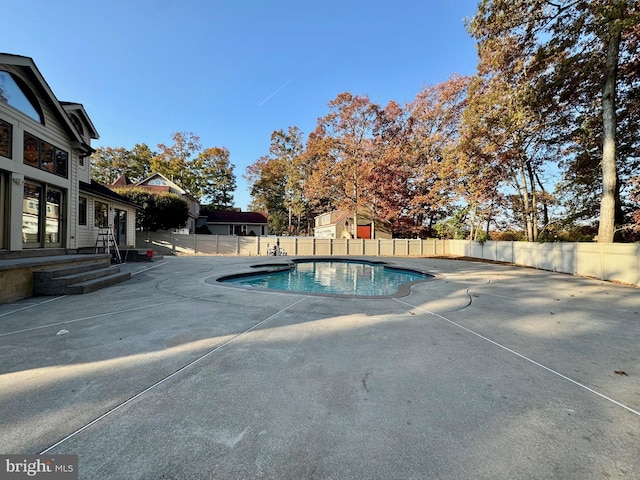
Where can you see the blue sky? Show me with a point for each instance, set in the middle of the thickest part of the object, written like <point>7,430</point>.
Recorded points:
<point>234,71</point>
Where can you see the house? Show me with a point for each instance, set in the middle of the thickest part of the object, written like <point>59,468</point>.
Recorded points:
<point>227,222</point>
<point>47,197</point>
<point>339,224</point>
<point>159,183</point>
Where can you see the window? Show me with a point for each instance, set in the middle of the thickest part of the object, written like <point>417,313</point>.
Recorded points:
<point>82,211</point>
<point>31,214</point>
<point>100,214</point>
<point>43,155</point>
<point>157,181</point>
<point>42,219</point>
<point>31,152</point>
<point>53,225</point>
<point>6,133</point>
<point>14,92</point>
<point>47,152</point>
<point>76,123</point>
<point>62,161</point>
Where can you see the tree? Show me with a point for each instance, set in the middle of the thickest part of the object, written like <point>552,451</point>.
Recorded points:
<point>433,130</point>
<point>159,211</point>
<point>216,180</point>
<point>578,47</point>
<point>267,180</point>
<point>206,174</point>
<point>176,162</point>
<point>286,148</point>
<point>107,163</point>
<point>343,146</point>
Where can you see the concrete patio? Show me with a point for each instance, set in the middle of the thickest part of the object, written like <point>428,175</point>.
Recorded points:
<point>485,372</point>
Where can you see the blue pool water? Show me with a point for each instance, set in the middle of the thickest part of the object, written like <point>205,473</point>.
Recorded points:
<point>333,277</point>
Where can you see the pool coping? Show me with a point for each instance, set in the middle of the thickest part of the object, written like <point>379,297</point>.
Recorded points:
<point>404,289</point>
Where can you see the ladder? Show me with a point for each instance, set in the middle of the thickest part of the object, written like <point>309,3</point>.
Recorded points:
<point>107,242</point>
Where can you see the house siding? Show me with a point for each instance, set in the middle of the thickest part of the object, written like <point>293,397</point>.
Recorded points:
<point>52,132</point>
<point>58,132</point>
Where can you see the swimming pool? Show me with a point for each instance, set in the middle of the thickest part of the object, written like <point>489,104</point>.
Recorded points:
<point>331,277</point>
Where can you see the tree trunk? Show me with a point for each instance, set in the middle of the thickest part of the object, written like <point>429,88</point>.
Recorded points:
<point>355,224</point>
<point>533,215</point>
<point>526,205</point>
<point>606,228</point>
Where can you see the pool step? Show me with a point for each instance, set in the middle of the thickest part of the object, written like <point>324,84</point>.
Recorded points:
<point>78,279</point>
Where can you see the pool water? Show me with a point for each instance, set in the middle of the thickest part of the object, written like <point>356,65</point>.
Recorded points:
<point>333,277</point>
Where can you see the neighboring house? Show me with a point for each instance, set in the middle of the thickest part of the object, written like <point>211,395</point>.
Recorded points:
<point>227,222</point>
<point>339,224</point>
<point>47,198</point>
<point>159,183</point>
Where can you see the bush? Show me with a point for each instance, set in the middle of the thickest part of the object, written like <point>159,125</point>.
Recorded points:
<point>508,236</point>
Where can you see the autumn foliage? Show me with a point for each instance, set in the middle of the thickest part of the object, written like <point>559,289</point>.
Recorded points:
<point>541,142</point>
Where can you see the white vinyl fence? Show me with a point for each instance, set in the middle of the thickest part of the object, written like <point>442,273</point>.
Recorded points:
<point>613,262</point>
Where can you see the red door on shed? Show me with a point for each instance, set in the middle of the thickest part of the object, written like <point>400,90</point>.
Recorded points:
<point>364,231</point>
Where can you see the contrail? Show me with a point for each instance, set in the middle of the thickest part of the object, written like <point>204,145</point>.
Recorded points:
<point>281,87</point>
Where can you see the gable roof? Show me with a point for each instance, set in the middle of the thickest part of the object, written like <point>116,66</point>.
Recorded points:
<point>121,181</point>
<point>228,216</point>
<point>79,110</point>
<point>167,182</point>
<point>30,70</point>
<point>168,186</point>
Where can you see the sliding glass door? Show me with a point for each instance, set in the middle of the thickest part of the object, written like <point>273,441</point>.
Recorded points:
<point>42,220</point>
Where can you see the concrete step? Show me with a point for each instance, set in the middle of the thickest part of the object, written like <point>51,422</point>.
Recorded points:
<point>58,272</point>
<point>97,283</point>
<point>77,279</point>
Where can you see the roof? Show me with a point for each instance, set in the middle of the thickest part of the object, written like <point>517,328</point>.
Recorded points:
<point>79,109</point>
<point>155,188</point>
<point>31,70</point>
<point>227,216</point>
<point>121,181</point>
<point>168,186</point>
<point>99,190</point>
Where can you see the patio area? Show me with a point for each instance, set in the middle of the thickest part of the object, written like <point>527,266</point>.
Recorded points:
<point>487,371</point>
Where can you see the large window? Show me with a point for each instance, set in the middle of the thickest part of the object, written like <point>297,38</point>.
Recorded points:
<point>101,211</point>
<point>42,208</point>
<point>43,155</point>
<point>14,92</point>
<point>53,225</point>
<point>6,132</point>
<point>31,230</point>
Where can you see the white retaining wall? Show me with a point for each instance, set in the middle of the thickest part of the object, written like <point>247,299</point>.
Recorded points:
<point>613,261</point>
